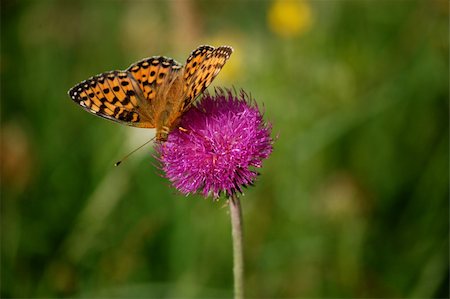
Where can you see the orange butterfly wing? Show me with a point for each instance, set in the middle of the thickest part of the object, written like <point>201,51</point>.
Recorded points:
<point>113,95</point>
<point>126,97</point>
<point>150,73</point>
<point>202,66</point>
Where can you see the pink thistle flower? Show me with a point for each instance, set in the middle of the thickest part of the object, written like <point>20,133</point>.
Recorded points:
<point>222,141</point>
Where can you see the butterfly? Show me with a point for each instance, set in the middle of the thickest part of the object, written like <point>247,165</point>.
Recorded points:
<point>153,92</point>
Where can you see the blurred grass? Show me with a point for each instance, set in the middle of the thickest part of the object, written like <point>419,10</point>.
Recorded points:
<point>352,203</point>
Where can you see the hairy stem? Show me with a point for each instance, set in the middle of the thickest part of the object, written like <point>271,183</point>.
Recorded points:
<point>238,254</point>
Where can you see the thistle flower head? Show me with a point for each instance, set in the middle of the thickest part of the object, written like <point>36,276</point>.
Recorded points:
<point>222,140</point>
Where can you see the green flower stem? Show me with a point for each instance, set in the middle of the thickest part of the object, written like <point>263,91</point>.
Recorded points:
<point>238,254</point>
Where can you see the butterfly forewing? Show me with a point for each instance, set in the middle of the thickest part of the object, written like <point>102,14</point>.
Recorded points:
<point>201,68</point>
<point>194,61</point>
<point>115,96</point>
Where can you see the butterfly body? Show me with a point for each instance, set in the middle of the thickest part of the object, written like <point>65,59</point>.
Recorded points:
<point>170,110</point>
<point>152,93</point>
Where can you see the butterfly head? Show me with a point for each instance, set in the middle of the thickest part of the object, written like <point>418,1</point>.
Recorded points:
<point>161,135</point>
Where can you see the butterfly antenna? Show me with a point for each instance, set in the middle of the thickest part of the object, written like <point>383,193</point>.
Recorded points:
<point>135,150</point>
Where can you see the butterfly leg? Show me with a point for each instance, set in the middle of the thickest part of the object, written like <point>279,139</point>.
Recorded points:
<point>162,130</point>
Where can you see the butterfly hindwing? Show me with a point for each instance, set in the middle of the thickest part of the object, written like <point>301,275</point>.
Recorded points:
<point>151,72</point>
<point>201,68</point>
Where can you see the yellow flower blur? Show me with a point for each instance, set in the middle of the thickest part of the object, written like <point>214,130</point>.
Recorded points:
<point>289,18</point>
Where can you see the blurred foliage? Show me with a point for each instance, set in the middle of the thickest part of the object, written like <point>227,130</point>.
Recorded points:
<point>352,203</point>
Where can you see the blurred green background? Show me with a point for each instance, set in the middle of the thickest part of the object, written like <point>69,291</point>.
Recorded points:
<point>352,203</point>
